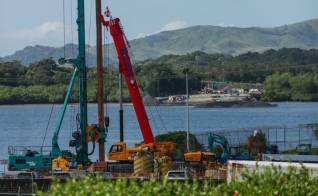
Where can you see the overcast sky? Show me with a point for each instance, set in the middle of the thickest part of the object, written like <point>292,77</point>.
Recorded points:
<point>31,22</point>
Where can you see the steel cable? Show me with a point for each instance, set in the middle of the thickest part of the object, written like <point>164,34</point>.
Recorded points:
<point>47,126</point>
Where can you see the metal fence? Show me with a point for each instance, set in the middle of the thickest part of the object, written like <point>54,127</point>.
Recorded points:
<point>20,150</point>
<point>286,138</point>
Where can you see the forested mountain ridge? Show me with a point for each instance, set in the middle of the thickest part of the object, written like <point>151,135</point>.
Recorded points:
<point>209,39</point>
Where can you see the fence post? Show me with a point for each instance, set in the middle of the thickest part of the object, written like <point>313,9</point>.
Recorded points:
<point>284,138</point>
<point>312,130</point>
<point>276,136</point>
<point>32,183</point>
<point>298,135</point>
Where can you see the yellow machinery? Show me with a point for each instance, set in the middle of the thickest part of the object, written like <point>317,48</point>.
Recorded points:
<point>60,163</point>
<point>120,152</point>
<point>207,159</point>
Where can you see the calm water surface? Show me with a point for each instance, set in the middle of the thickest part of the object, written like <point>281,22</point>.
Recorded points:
<point>25,125</point>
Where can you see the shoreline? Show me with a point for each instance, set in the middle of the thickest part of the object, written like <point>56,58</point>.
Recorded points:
<point>234,104</point>
<point>162,104</point>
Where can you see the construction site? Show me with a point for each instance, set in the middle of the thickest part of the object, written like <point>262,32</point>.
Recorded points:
<point>211,155</point>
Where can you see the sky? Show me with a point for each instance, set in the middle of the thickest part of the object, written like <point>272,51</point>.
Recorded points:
<point>32,22</point>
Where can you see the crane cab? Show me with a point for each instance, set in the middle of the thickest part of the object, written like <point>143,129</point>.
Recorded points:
<point>119,152</point>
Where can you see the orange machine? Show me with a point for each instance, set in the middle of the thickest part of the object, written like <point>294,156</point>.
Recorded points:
<point>207,159</point>
<point>120,152</point>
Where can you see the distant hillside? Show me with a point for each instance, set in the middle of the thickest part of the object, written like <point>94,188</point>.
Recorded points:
<point>32,54</point>
<point>209,39</point>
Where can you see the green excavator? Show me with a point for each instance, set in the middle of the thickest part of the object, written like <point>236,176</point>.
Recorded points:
<point>226,152</point>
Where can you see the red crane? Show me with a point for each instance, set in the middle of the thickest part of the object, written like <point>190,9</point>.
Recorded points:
<point>126,69</point>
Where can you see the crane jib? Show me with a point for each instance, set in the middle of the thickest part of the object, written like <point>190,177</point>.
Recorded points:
<point>127,70</point>
<point>128,66</point>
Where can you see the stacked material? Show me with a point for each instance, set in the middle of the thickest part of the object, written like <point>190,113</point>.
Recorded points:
<point>143,163</point>
<point>165,163</point>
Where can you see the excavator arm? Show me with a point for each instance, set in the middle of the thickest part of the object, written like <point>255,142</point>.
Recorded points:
<point>126,69</point>
<point>221,140</point>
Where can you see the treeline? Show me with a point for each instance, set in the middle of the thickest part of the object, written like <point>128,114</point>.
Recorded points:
<point>289,87</point>
<point>248,67</point>
<point>165,75</point>
<point>46,82</point>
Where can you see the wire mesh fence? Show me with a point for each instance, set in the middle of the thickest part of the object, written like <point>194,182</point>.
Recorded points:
<point>285,138</point>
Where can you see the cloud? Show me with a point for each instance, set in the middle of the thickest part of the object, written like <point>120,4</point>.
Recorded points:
<point>42,31</point>
<point>222,24</point>
<point>174,25</point>
<point>141,35</point>
<point>48,33</point>
<point>171,26</point>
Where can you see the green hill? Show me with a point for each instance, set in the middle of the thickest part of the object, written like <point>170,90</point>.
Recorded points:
<point>229,40</point>
<point>209,39</point>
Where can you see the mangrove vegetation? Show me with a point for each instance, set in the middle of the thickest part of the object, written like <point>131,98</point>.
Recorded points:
<point>288,75</point>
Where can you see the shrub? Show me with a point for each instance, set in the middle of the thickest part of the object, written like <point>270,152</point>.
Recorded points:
<point>272,181</point>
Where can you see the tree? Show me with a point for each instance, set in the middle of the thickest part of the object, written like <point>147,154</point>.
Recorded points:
<point>277,87</point>
<point>12,74</point>
<point>42,72</point>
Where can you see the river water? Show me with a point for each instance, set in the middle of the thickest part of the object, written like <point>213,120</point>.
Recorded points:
<point>25,125</point>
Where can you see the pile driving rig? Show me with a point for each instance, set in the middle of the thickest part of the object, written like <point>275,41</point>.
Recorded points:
<point>29,159</point>
<point>57,159</point>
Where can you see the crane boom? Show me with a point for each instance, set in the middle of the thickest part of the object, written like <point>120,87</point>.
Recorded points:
<point>125,68</point>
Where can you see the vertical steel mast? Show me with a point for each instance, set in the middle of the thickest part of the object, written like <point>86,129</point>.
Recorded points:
<point>82,151</point>
<point>100,79</point>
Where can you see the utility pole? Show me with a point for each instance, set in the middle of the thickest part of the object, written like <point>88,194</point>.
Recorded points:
<point>100,80</point>
<point>188,114</point>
